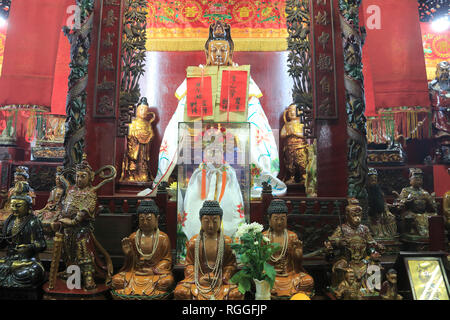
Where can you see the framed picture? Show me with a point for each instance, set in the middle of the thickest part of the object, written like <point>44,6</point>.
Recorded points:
<point>427,278</point>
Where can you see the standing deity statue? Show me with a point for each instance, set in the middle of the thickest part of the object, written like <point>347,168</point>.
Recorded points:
<point>311,170</point>
<point>439,90</point>
<point>415,206</point>
<point>136,162</point>
<point>147,271</point>
<point>23,238</point>
<point>357,249</point>
<point>295,146</point>
<point>383,223</point>
<point>54,204</point>
<point>219,48</point>
<point>74,225</point>
<point>210,262</point>
<point>20,174</point>
<point>291,277</point>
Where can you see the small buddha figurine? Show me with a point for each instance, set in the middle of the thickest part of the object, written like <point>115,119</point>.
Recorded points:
<point>357,247</point>
<point>20,174</point>
<point>389,287</point>
<point>49,213</point>
<point>383,224</point>
<point>147,270</point>
<point>291,278</point>
<point>294,149</point>
<point>210,262</point>
<point>415,205</point>
<point>75,224</point>
<point>136,162</point>
<point>23,238</point>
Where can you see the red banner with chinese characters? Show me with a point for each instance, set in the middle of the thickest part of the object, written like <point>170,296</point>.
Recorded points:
<point>169,21</point>
<point>436,47</point>
<point>324,60</point>
<point>233,91</point>
<point>199,97</point>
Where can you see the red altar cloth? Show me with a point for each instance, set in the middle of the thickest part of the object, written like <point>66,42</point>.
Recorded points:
<point>393,57</point>
<point>30,52</point>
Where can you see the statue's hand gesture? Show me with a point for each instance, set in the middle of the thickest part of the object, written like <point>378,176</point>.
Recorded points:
<point>328,245</point>
<point>126,246</point>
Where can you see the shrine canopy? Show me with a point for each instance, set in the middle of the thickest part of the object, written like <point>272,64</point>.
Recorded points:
<point>184,25</point>
<point>393,57</point>
<point>30,53</point>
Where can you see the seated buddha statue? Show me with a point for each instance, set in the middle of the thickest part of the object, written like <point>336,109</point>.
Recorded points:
<point>415,206</point>
<point>49,213</point>
<point>291,277</point>
<point>23,238</point>
<point>295,146</point>
<point>210,262</point>
<point>147,271</point>
<point>135,167</point>
<point>75,225</point>
<point>20,174</point>
<point>356,246</point>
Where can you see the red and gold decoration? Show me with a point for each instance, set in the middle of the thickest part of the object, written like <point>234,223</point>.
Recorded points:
<point>182,25</point>
<point>324,60</point>
<point>436,48</point>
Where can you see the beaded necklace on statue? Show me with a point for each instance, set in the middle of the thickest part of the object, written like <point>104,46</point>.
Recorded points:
<point>137,240</point>
<point>283,248</point>
<point>216,284</point>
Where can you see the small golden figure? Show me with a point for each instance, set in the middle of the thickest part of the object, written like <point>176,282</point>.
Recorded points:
<point>383,224</point>
<point>294,149</point>
<point>54,203</point>
<point>389,287</point>
<point>20,174</point>
<point>415,206</point>
<point>210,262</point>
<point>291,277</point>
<point>136,162</point>
<point>147,272</point>
<point>349,288</point>
<point>357,248</point>
<point>75,224</point>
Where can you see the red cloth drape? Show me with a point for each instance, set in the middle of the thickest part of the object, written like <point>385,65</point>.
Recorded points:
<point>393,57</point>
<point>30,52</point>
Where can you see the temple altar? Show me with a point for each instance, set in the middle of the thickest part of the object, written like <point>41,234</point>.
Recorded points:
<point>319,97</point>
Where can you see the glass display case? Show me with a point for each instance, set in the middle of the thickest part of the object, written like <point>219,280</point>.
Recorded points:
<point>8,124</point>
<point>213,164</point>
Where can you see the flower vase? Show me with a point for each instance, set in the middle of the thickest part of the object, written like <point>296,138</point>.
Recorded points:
<point>262,289</point>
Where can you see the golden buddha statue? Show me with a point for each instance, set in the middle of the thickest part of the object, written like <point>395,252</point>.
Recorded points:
<point>291,277</point>
<point>294,148</point>
<point>136,162</point>
<point>23,238</point>
<point>147,271</point>
<point>210,262</point>
<point>49,213</point>
<point>415,206</point>
<point>356,246</point>
<point>20,175</point>
<point>75,226</point>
